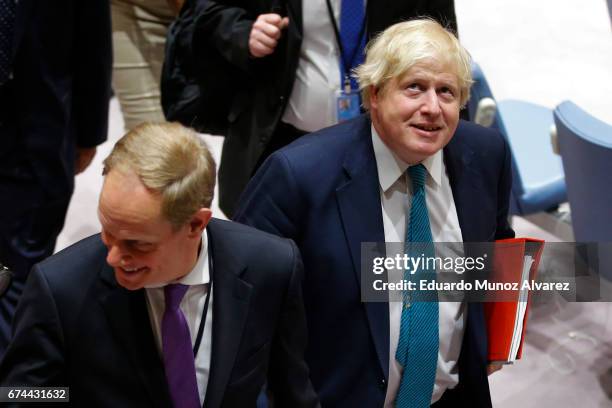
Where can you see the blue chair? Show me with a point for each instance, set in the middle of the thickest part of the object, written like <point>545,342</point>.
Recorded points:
<point>585,144</point>
<point>537,174</point>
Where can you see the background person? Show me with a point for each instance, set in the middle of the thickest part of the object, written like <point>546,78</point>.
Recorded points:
<point>55,75</point>
<point>139,39</point>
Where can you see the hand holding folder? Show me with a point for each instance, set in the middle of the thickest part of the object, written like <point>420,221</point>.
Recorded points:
<point>515,260</point>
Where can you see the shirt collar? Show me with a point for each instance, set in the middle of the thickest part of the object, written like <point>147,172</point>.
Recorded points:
<point>199,275</point>
<point>390,167</point>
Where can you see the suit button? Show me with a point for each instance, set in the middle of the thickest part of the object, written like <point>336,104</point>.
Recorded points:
<point>382,384</point>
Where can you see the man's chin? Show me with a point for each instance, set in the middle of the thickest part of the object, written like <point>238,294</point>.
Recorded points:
<point>429,147</point>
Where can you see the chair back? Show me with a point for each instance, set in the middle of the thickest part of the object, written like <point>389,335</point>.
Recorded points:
<point>585,144</point>
<point>537,174</point>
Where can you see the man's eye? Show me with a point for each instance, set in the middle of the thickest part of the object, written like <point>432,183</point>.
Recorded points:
<point>144,246</point>
<point>413,86</point>
<point>139,246</point>
<point>447,90</point>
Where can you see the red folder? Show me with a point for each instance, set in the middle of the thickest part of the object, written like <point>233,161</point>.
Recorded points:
<point>515,260</point>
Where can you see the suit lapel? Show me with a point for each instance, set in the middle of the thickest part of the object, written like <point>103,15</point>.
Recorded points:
<point>128,317</point>
<point>230,308</point>
<point>360,210</point>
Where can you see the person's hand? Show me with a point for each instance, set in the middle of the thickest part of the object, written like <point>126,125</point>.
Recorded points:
<point>493,367</point>
<point>175,6</point>
<point>83,158</point>
<point>265,34</point>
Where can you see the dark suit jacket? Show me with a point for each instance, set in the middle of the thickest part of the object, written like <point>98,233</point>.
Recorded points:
<point>323,192</point>
<point>76,327</point>
<point>58,97</point>
<point>267,82</point>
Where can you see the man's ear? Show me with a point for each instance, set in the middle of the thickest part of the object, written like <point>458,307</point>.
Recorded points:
<point>199,221</point>
<point>374,91</point>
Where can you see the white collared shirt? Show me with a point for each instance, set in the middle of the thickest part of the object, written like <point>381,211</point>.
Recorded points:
<point>317,77</point>
<point>396,197</point>
<point>192,307</point>
<point>312,102</point>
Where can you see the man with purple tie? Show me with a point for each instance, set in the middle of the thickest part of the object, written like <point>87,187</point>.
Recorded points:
<point>167,306</point>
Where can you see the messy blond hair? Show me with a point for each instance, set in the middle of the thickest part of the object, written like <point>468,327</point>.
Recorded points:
<point>403,45</point>
<point>171,160</point>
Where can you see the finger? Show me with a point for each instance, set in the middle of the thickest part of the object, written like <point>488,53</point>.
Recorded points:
<point>271,30</point>
<point>491,368</point>
<point>258,49</point>
<point>264,39</point>
<point>284,23</point>
<point>271,18</point>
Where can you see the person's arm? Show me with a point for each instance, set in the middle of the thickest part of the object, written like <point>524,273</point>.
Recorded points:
<point>92,57</point>
<point>272,201</point>
<point>504,230</point>
<point>236,33</point>
<point>288,378</point>
<point>35,356</point>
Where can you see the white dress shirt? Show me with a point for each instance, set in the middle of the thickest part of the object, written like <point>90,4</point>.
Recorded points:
<point>317,77</point>
<point>192,307</point>
<point>396,197</point>
<point>312,103</point>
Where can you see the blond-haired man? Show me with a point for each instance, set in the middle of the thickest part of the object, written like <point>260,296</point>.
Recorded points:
<point>359,182</point>
<point>167,306</point>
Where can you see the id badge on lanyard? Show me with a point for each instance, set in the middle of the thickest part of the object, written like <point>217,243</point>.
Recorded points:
<point>348,102</point>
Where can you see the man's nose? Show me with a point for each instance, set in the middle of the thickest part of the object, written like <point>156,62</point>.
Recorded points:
<point>431,102</point>
<point>114,256</point>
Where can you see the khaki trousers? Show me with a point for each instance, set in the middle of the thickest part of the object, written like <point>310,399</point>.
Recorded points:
<point>139,38</point>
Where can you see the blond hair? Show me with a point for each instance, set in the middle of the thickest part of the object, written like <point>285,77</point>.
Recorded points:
<point>403,45</point>
<point>171,160</point>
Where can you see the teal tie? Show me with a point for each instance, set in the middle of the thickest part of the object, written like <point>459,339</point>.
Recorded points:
<point>417,349</point>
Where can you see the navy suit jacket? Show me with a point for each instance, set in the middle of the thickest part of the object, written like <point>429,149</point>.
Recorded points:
<point>76,327</point>
<point>323,192</point>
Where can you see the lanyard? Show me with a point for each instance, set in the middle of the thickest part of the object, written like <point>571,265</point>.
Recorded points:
<point>346,64</point>
<point>198,340</point>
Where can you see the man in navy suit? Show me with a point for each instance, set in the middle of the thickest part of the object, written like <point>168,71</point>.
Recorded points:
<point>54,95</point>
<point>166,307</point>
<point>353,183</point>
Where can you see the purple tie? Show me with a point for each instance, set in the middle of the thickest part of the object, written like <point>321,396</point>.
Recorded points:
<point>177,350</point>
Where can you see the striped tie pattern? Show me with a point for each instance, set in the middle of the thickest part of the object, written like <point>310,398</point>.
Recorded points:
<point>417,349</point>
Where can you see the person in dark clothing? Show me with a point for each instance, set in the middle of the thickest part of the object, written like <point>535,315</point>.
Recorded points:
<point>54,96</point>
